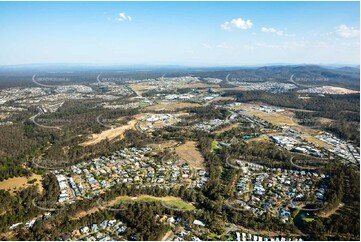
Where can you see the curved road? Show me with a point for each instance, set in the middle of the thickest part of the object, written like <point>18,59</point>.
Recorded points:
<point>43,126</point>
<point>227,77</point>
<point>300,85</point>
<point>98,78</point>
<point>42,85</point>
<point>103,124</point>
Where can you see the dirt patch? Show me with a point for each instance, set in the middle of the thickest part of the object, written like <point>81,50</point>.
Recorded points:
<point>189,152</point>
<point>17,183</point>
<point>111,134</point>
<point>340,90</point>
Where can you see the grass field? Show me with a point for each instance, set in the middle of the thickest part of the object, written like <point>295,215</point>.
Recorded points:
<point>17,183</point>
<point>279,119</point>
<point>226,128</point>
<point>168,201</point>
<point>189,152</point>
<point>215,145</point>
<point>316,142</point>
<point>171,106</point>
<point>142,88</point>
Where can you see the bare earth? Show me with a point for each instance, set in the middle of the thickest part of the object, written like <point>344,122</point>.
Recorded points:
<point>110,134</point>
<point>341,90</point>
<point>189,152</point>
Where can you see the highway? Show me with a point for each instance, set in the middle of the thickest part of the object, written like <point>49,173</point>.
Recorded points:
<point>42,85</point>
<point>98,78</point>
<point>40,125</point>
<point>299,85</point>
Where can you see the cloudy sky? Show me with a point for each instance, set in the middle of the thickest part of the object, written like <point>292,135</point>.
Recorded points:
<point>180,33</point>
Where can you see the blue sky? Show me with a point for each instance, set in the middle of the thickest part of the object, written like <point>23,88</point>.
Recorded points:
<point>180,33</point>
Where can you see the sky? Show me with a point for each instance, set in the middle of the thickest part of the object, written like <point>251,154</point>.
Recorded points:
<point>180,33</point>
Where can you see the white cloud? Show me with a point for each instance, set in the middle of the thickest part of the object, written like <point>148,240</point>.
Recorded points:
<point>208,46</point>
<point>123,17</point>
<point>272,30</point>
<point>294,45</point>
<point>237,24</point>
<point>344,31</point>
<point>225,46</point>
<point>266,45</point>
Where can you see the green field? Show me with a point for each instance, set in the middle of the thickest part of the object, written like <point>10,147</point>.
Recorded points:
<point>171,202</point>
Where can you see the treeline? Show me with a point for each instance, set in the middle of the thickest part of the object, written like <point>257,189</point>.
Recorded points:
<point>207,113</point>
<point>345,223</point>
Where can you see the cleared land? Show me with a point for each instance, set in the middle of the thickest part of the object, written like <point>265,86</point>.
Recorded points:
<point>142,88</point>
<point>171,106</point>
<point>110,134</point>
<point>189,152</point>
<point>316,142</point>
<point>14,184</point>
<point>226,128</point>
<point>341,90</point>
<point>115,133</point>
<point>202,85</point>
<point>283,118</point>
<point>169,201</point>
<point>275,118</point>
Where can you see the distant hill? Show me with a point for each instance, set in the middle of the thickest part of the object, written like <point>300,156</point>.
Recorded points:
<point>342,76</point>
<point>348,77</point>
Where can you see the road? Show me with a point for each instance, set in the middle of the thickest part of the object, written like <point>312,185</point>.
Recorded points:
<point>167,236</point>
<point>42,85</point>
<point>98,78</point>
<point>299,85</point>
<point>227,77</point>
<point>43,126</point>
<point>103,124</point>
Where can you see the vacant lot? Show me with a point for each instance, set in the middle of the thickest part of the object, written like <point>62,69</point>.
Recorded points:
<point>142,88</point>
<point>169,201</point>
<point>316,142</point>
<point>201,85</point>
<point>227,128</point>
<point>341,90</point>
<point>17,183</point>
<point>279,119</point>
<point>110,134</point>
<point>171,106</point>
<point>189,152</point>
